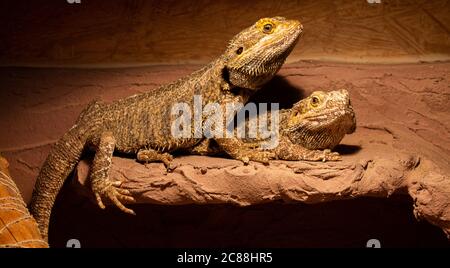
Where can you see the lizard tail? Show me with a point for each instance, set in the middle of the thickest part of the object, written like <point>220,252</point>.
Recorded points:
<point>62,159</point>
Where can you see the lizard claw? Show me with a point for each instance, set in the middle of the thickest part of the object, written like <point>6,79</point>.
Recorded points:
<point>112,192</point>
<point>245,160</point>
<point>170,166</point>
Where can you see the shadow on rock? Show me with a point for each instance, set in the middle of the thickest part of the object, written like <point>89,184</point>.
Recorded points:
<point>279,90</point>
<point>345,149</point>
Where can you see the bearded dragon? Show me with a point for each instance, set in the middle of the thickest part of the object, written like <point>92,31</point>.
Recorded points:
<point>140,124</point>
<point>307,131</point>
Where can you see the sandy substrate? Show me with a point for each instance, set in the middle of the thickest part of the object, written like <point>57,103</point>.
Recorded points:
<point>402,113</point>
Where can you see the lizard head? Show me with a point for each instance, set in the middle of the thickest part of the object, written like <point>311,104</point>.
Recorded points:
<point>321,120</point>
<point>256,54</point>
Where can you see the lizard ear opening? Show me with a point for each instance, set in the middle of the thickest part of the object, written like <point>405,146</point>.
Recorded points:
<point>226,75</point>
<point>239,50</point>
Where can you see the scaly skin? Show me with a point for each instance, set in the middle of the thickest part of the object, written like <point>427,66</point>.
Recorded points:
<point>141,124</point>
<point>307,131</point>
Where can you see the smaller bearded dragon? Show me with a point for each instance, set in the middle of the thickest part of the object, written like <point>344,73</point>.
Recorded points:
<point>307,131</point>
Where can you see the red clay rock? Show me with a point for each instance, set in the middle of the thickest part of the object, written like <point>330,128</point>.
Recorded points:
<point>230,182</point>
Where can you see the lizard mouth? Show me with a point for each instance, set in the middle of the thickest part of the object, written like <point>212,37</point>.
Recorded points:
<point>260,71</point>
<point>323,131</point>
<point>258,64</point>
<point>331,114</point>
<point>333,117</point>
<point>284,46</point>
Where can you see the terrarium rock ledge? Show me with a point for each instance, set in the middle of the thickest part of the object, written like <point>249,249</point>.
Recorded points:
<point>209,180</point>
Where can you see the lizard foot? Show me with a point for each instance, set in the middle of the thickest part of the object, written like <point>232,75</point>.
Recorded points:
<point>154,156</point>
<point>262,157</point>
<point>325,155</point>
<point>320,155</point>
<point>328,155</point>
<point>112,191</point>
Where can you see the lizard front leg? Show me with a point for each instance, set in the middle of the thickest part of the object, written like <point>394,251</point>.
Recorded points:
<point>238,150</point>
<point>286,150</point>
<point>150,155</point>
<point>102,186</point>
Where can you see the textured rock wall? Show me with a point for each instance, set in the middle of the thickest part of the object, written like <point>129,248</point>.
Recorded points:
<point>190,31</point>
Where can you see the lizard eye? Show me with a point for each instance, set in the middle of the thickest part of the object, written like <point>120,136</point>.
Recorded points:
<point>267,28</point>
<point>315,101</point>
<point>239,50</point>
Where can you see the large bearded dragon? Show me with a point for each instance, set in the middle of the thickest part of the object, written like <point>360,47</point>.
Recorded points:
<point>140,124</point>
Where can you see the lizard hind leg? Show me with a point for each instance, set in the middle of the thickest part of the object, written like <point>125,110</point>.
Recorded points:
<point>102,186</point>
